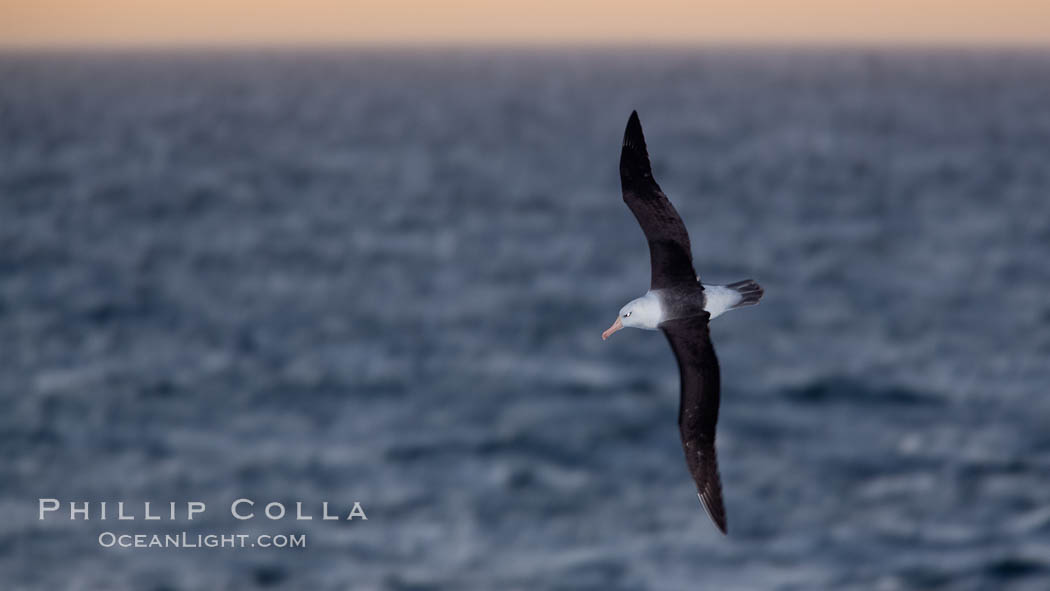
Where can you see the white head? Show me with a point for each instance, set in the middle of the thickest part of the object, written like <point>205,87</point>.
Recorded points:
<point>643,312</point>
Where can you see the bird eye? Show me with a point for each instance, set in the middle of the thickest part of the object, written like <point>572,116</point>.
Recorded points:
<point>627,314</point>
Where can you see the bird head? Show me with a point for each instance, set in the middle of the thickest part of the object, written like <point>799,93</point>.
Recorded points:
<point>643,312</point>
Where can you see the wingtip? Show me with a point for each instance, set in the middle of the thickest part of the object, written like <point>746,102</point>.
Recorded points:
<point>719,520</point>
<point>635,155</point>
<point>632,135</point>
<point>722,527</point>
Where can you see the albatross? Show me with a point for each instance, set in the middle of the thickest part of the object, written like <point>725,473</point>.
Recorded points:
<point>678,304</point>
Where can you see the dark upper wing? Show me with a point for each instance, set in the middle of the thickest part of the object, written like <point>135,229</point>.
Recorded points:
<point>670,255</point>
<point>698,410</point>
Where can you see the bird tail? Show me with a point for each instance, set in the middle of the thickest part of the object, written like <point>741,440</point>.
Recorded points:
<point>750,292</point>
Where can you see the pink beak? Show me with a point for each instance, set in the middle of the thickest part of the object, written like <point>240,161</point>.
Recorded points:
<point>615,327</point>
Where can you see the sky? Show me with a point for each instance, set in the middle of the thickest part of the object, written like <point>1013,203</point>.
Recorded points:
<point>57,23</point>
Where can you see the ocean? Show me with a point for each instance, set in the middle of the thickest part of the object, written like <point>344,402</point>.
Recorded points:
<point>380,276</point>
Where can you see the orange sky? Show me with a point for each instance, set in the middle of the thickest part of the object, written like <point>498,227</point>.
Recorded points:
<point>254,22</point>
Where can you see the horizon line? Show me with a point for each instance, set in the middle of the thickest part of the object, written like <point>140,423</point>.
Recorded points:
<point>903,44</point>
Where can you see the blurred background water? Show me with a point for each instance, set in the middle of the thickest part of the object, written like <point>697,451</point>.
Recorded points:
<point>382,275</point>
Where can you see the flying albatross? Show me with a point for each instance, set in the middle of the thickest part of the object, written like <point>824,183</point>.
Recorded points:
<point>679,305</point>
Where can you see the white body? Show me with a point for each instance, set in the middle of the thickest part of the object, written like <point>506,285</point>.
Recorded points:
<point>646,313</point>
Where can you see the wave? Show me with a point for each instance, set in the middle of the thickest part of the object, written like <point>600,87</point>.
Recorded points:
<point>834,389</point>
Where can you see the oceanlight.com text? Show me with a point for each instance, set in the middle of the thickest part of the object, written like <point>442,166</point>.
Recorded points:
<point>186,540</point>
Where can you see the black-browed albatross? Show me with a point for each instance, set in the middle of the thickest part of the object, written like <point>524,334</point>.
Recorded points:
<point>679,305</point>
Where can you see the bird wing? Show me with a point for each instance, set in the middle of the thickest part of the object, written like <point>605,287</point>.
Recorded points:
<point>698,411</point>
<point>670,254</point>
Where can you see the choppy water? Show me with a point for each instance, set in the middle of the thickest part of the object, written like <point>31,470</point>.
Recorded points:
<point>382,276</point>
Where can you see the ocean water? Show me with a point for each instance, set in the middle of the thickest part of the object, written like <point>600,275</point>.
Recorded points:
<point>381,276</point>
